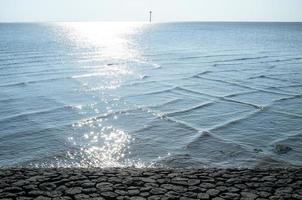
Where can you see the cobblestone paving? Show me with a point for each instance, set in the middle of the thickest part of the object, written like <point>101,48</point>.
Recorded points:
<point>152,184</point>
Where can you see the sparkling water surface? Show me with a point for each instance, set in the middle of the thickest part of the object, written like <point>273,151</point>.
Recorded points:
<point>116,94</point>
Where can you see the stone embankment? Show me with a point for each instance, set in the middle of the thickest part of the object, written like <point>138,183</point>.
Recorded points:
<point>152,184</point>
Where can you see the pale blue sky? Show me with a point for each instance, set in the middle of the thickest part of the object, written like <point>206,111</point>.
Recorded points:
<point>163,10</point>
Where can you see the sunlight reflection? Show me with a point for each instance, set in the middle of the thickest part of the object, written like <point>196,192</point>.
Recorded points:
<point>111,53</point>
<point>110,50</point>
<point>111,39</point>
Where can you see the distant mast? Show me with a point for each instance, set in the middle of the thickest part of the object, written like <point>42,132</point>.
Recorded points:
<point>150,17</point>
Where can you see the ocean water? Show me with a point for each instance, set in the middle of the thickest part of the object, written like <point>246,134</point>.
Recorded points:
<point>117,94</point>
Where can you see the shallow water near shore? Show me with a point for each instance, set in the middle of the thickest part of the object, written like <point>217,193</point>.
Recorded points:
<point>117,94</point>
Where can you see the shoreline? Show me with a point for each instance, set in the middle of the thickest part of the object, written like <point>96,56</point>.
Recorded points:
<point>150,183</point>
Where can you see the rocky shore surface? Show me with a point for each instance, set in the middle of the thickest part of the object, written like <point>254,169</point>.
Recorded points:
<point>151,184</point>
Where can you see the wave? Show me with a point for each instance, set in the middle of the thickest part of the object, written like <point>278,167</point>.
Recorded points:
<point>290,97</point>
<point>50,56</point>
<point>182,123</point>
<point>151,93</point>
<point>222,98</point>
<point>240,93</point>
<point>34,81</point>
<point>182,89</point>
<point>14,84</point>
<point>144,77</point>
<point>268,77</point>
<point>247,87</point>
<point>37,112</point>
<point>170,119</point>
<point>268,161</point>
<point>48,62</point>
<point>282,60</point>
<point>243,59</point>
<point>244,103</point>
<point>219,152</point>
<point>166,103</point>
<point>287,113</point>
<point>183,161</point>
<point>290,86</point>
<point>201,73</point>
<point>47,72</point>
<point>234,121</point>
<point>156,66</point>
<point>190,109</point>
<point>204,135</point>
<point>113,113</point>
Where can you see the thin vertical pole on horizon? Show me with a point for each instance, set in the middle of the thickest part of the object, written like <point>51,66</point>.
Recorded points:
<point>150,19</point>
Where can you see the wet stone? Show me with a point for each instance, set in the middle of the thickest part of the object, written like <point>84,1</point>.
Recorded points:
<point>140,184</point>
<point>97,198</point>
<point>19,183</point>
<point>137,198</point>
<point>109,194</point>
<point>203,196</point>
<point>217,198</point>
<point>73,191</point>
<point>193,182</point>
<point>12,189</point>
<point>154,197</point>
<point>148,180</point>
<point>157,191</point>
<point>42,198</point>
<point>23,198</point>
<point>230,195</point>
<point>133,192</point>
<point>47,186</point>
<point>207,185</point>
<point>190,194</point>
<point>120,192</point>
<point>213,192</point>
<point>145,194</point>
<point>186,198</point>
<point>35,193</point>
<point>172,195</point>
<point>88,185</point>
<point>248,195</point>
<point>282,149</point>
<point>81,196</point>
<point>62,198</point>
<point>89,190</point>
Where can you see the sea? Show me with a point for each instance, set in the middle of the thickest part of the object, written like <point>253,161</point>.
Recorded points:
<point>135,94</point>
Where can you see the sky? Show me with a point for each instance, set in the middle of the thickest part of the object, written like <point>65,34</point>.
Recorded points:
<point>138,10</point>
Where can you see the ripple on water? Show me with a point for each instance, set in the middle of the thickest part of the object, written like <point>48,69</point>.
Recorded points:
<point>181,94</point>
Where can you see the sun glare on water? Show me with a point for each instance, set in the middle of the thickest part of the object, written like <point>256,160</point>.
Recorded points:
<point>110,53</point>
<point>110,39</point>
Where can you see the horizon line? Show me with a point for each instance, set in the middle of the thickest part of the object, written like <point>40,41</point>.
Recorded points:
<point>180,21</point>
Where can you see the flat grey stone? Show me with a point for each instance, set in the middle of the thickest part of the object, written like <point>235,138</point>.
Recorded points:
<point>154,197</point>
<point>193,182</point>
<point>47,186</point>
<point>230,195</point>
<point>109,194</point>
<point>148,180</point>
<point>138,198</point>
<point>248,195</point>
<point>81,196</point>
<point>74,190</point>
<point>213,192</point>
<point>203,196</point>
<point>133,192</point>
<point>42,198</point>
<point>158,191</point>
